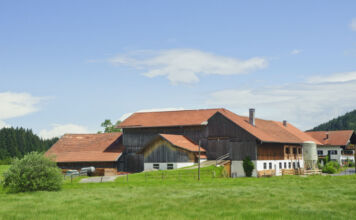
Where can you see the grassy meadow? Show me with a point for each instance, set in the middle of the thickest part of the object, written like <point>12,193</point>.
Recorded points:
<point>178,195</point>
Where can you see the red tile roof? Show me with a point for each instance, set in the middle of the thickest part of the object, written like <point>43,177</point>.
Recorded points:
<point>106,147</point>
<point>168,118</point>
<point>336,138</point>
<point>264,130</point>
<point>182,142</point>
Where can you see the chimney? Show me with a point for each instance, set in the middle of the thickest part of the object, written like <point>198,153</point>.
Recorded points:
<point>327,135</point>
<point>285,123</point>
<point>252,117</point>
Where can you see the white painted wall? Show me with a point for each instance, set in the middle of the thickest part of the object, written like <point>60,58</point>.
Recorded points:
<point>237,169</point>
<point>338,157</point>
<point>275,165</point>
<point>163,166</point>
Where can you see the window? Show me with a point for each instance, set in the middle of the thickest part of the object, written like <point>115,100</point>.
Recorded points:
<point>320,153</point>
<point>280,165</point>
<point>156,166</point>
<point>299,150</point>
<point>294,165</point>
<point>264,165</point>
<point>348,152</point>
<point>287,150</point>
<point>285,165</point>
<point>270,166</point>
<point>332,152</point>
<point>298,165</point>
<point>294,150</point>
<point>170,166</point>
<point>289,165</point>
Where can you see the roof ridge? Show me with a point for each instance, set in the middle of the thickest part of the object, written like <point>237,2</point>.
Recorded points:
<point>183,110</point>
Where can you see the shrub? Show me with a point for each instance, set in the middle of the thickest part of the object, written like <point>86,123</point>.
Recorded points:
<point>331,167</point>
<point>248,166</point>
<point>34,172</point>
<point>351,164</point>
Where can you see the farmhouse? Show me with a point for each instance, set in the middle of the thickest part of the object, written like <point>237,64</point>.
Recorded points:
<point>338,145</point>
<point>273,146</point>
<point>75,151</point>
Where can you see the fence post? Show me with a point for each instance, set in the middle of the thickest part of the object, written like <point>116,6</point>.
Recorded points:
<point>162,175</point>
<point>127,177</point>
<point>71,178</point>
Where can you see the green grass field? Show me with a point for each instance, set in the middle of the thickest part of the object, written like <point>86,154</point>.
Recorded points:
<point>177,195</point>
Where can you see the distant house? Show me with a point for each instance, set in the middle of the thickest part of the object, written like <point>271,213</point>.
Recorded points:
<point>74,151</point>
<point>272,145</point>
<point>169,151</point>
<point>338,145</point>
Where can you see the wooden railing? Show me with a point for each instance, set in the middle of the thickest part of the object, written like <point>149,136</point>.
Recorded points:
<point>221,158</point>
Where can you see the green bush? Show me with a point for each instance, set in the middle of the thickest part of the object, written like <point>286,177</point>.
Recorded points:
<point>248,166</point>
<point>34,172</point>
<point>331,167</point>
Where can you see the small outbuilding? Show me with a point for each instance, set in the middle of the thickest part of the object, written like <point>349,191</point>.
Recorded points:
<point>169,151</point>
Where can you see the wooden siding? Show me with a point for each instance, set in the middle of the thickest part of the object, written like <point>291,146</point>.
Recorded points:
<point>136,138</point>
<point>227,137</point>
<point>161,151</point>
<point>79,165</point>
<point>292,155</point>
<point>237,150</point>
<point>276,151</point>
<point>220,126</point>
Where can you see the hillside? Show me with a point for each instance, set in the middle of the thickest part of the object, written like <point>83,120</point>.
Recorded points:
<point>16,142</point>
<point>344,122</point>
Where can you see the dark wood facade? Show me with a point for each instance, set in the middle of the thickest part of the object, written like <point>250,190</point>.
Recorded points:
<point>218,137</point>
<point>79,165</point>
<point>278,151</point>
<point>161,151</point>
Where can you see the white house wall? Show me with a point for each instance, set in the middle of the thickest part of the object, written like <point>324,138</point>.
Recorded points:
<point>338,157</point>
<point>163,166</point>
<point>238,171</point>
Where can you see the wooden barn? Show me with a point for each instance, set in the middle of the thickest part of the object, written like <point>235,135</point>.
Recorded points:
<point>169,151</point>
<point>273,146</point>
<point>75,151</point>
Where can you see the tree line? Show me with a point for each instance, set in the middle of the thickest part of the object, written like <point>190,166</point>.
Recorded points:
<point>344,122</point>
<point>16,142</point>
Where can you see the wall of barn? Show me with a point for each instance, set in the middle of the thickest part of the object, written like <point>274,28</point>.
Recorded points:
<point>219,137</point>
<point>227,137</point>
<point>79,165</point>
<point>136,138</point>
<point>161,151</point>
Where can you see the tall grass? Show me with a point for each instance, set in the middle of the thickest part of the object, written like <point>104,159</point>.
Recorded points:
<point>288,197</point>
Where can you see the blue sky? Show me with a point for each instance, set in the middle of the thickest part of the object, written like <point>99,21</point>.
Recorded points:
<point>65,66</point>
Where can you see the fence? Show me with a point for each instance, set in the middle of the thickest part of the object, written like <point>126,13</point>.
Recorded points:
<point>169,176</point>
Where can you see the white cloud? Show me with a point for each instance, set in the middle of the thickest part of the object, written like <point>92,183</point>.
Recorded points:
<point>126,115</point>
<point>353,24</point>
<point>338,77</point>
<point>295,52</point>
<point>305,105</point>
<point>58,130</point>
<point>185,65</point>
<point>17,104</point>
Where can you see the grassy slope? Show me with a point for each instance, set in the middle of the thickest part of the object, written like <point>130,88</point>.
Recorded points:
<point>288,197</point>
